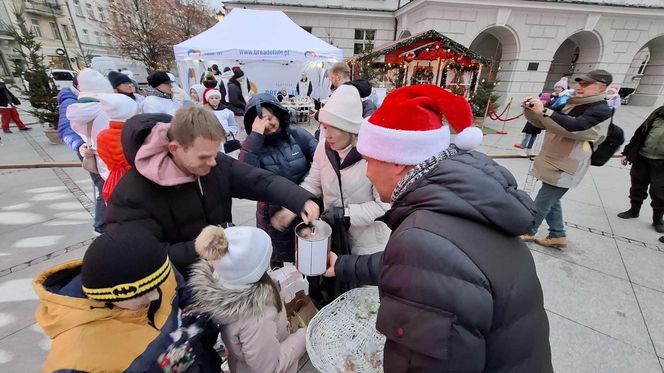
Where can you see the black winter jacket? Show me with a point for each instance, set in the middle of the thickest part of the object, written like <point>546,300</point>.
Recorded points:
<point>7,97</point>
<point>459,290</point>
<point>177,214</point>
<point>288,153</point>
<point>638,140</point>
<point>236,101</point>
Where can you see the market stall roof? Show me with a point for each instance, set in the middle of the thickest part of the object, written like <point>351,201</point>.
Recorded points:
<point>248,34</point>
<point>420,40</point>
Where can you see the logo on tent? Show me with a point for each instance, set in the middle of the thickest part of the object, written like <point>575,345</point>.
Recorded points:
<point>310,54</point>
<point>195,52</point>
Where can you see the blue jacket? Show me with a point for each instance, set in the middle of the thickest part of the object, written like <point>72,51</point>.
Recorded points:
<point>289,154</point>
<point>558,102</point>
<point>65,98</point>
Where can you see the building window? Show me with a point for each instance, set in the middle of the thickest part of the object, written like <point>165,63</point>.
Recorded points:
<point>91,12</point>
<point>86,36</point>
<point>54,30</point>
<point>102,16</point>
<point>306,28</point>
<point>77,8</point>
<point>97,38</point>
<point>364,40</point>
<point>643,66</point>
<point>35,28</point>
<point>65,32</point>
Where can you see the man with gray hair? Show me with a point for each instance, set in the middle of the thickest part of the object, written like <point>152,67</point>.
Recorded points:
<point>564,159</point>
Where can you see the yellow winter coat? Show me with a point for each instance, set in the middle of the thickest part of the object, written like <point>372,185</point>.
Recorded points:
<point>87,336</point>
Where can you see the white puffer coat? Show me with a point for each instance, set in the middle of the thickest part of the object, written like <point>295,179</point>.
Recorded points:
<point>360,197</point>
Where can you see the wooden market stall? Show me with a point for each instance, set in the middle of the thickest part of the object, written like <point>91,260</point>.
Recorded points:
<point>425,58</point>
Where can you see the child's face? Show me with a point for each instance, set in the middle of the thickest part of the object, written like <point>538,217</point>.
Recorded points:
<point>214,100</point>
<point>558,89</point>
<point>194,95</point>
<point>137,303</point>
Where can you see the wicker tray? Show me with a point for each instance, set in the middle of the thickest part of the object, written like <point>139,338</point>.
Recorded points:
<point>337,334</point>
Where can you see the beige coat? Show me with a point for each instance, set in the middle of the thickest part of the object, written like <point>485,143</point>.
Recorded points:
<point>565,156</point>
<point>255,333</point>
<point>361,198</point>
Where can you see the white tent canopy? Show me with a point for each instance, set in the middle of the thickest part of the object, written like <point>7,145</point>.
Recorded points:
<point>247,34</point>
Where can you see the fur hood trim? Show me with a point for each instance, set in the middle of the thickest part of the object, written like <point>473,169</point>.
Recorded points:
<point>223,304</point>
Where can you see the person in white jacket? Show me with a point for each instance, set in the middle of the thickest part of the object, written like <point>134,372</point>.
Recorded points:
<point>341,118</point>
<point>161,98</point>
<point>232,286</point>
<point>87,119</point>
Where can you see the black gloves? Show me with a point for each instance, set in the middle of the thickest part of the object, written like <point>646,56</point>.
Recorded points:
<point>335,214</point>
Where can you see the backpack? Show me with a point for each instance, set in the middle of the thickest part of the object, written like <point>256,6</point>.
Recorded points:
<point>615,137</point>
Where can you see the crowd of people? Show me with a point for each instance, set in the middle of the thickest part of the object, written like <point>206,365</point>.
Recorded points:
<point>170,274</point>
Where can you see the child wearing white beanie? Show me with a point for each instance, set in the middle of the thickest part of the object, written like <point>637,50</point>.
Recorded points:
<point>233,287</point>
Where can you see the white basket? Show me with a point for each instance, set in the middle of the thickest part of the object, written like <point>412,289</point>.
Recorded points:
<point>337,332</point>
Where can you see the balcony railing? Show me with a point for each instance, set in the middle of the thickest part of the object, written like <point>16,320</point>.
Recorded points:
<point>44,7</point>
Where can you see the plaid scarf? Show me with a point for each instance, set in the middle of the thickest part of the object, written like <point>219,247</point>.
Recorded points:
<point>421,170</point>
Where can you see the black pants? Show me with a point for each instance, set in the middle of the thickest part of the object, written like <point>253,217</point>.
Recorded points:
<point>644,172</point>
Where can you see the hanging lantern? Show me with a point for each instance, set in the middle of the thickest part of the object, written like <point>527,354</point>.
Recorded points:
<point>458,58</point>
<point>409,57</point>
<point>436,45</point>
<point>466,61</point>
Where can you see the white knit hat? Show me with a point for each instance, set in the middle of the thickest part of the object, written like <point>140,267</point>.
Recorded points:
<point>343,110</point>
<point>562,83</point>
<point>91,83</point>
<point>247,257</point>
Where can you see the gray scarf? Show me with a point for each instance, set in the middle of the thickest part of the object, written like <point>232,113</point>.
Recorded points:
<point>421,170</point>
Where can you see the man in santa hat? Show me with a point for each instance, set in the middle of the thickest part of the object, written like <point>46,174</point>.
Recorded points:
<point>459,290</point>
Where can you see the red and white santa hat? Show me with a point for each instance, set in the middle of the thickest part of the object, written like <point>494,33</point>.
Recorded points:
<point>408,127</point>
<point>209,92</point>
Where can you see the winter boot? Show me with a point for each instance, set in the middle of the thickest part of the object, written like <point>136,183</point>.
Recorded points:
<point>657,221</point>
<point>555,242</point>
<point>632,213</point>
<point>527,238</point>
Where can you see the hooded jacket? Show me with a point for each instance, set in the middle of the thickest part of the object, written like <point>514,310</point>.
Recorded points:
<point>255,333</point>
<point>87,336</point>
<point>287,153</point>
<point>459,290</point>
<point>80,115</point>
<point>565,155</point>
<point>200,90</point>
<point>87,111</point>
<point>66,97</point>
<point>177,210</point>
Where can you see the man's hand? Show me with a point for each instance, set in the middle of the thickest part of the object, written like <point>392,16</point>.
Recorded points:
<point>310,212</point>
<point>85,151</point>
<point>259,125</point>
<point>282,219</point>
<point>534,104</point>
<point>623,161</point>
<point>312,113</point>
<point>331,261</point>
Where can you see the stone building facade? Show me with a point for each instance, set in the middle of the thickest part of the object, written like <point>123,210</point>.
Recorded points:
<point>533,43</point>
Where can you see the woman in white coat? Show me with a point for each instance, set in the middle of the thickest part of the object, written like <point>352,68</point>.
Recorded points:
<point>341,118</point>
